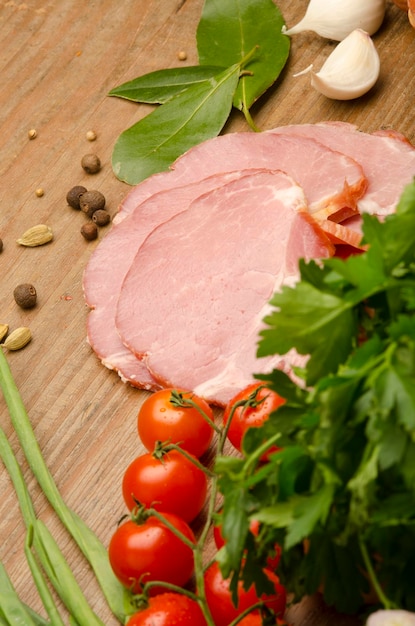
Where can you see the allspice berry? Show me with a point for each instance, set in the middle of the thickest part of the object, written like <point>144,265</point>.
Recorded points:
<point>89,231</point>
<point>91,201</point>
<point>73,196</point>
<point>101,217</point>
<point>91,163</point>
<point>25,295</point>
<point>1,245</point>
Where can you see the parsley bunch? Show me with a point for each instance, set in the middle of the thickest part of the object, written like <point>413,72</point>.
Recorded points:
<point>339,495</point>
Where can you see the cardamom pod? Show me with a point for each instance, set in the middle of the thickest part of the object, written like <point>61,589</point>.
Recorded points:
<point>4,329</point>
<point>36,236</point>
<point>19,338</point>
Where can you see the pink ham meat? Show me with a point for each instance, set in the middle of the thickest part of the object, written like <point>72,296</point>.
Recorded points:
<point>332,181</point>
<point>192,303</point>
<point>109,264</point>
<point>387,159</point>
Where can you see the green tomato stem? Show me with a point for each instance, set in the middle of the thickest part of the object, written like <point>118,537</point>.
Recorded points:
<point>170,526</point>
<point>170,586</point>
<point>177,399</point>
<point>174,446</point>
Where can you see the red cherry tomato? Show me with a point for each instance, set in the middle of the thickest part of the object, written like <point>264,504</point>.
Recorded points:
<point>219,598</point>
<point>160,420</point>
<point>168,609</point>
<point>139,553</point>
<point>272,561</point>
<point>172,483</point>
<point>261,402</point>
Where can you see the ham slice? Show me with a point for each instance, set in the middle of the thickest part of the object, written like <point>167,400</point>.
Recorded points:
<point>109,264</point>
<point>193,301</point>
<point>387,159</point>
<point>333,182</point>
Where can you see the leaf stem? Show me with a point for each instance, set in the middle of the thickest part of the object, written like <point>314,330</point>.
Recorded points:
<point>253,458</point>
<point>249,117</point>
<point>388,604</point>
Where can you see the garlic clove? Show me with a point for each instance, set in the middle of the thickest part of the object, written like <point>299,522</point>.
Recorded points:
<point>350,71</point>
<point>411,12</point>
<point>387,617</point>
<point>336,19</point>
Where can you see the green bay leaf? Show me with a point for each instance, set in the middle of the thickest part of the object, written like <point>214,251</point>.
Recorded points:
<point>229,31</point>
<point>192,116</point>
<point>159,86</point>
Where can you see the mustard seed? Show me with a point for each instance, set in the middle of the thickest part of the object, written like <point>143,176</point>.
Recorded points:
<point>91,135</point>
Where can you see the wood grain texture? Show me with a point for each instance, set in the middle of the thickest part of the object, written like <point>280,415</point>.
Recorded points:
<point>58,61</point>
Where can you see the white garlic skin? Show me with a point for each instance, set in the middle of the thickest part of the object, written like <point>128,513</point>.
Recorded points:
<point>350,71</point>
<point>391,618</point>
<point>336,19</point>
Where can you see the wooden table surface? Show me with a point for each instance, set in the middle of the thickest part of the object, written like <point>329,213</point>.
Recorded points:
<point>58,61</point>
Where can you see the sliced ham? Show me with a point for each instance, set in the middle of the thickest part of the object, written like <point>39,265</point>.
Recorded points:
<point>387,159</point>
<point>193,301</point>
<point>109,264</point>
<point>332,181</point>
<point>335,181</point>
<point>341,172</point>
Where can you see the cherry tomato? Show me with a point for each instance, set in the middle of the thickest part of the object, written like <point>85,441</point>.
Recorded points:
<point>172,483</point>
<point>219,598</point>
<point>272,561</point>
<point>142,552</point>
<point>254,414</point>
<point>168,609</point>
<point>160,420</point>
